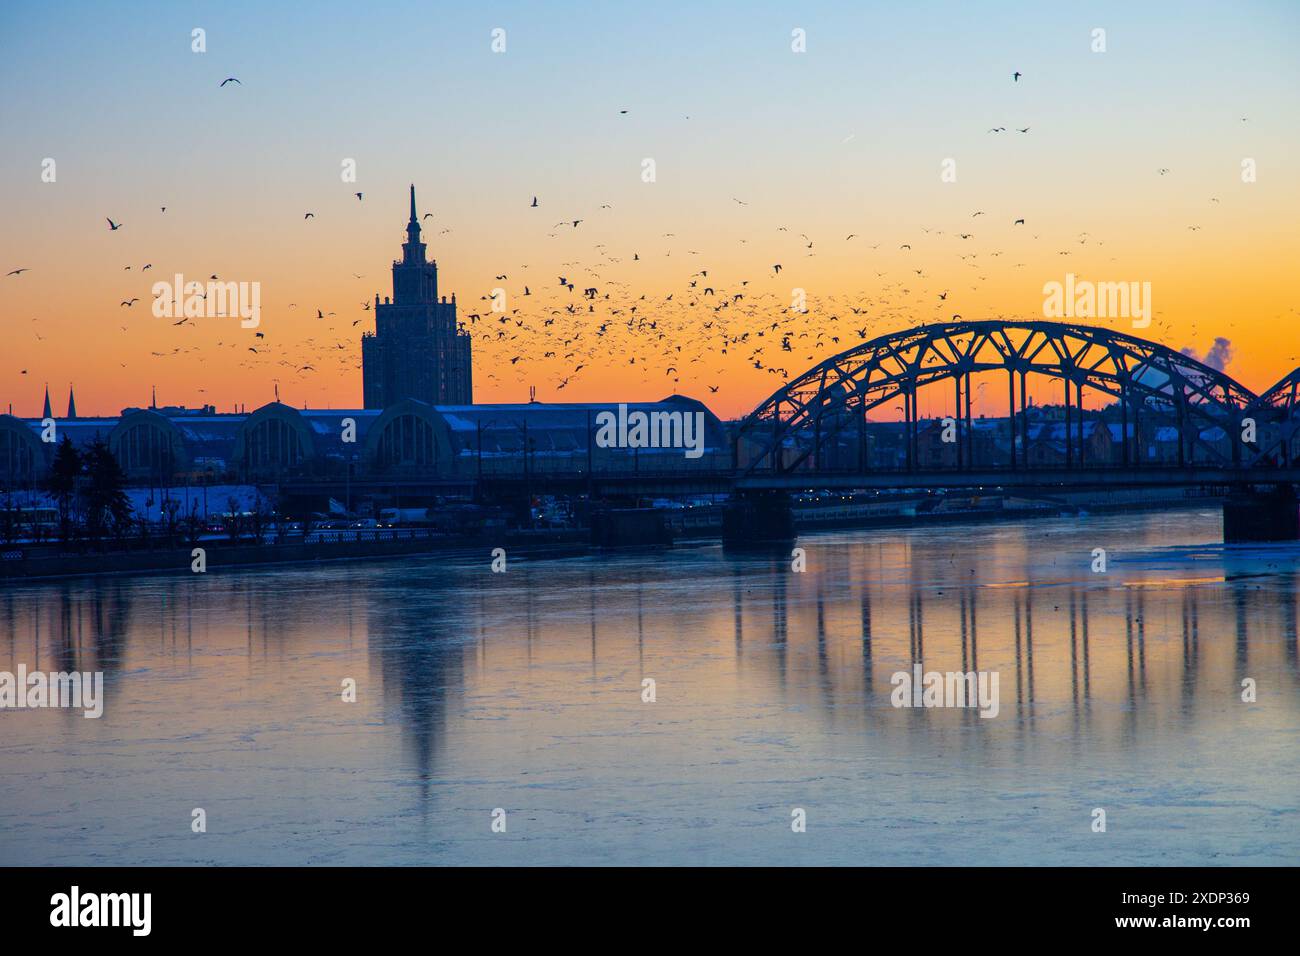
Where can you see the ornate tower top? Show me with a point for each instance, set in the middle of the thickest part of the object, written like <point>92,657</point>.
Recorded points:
<point>413,248</point>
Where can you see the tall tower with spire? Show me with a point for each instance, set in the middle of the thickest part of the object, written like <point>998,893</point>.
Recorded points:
<point>416,351</point>
<point>72,404</point>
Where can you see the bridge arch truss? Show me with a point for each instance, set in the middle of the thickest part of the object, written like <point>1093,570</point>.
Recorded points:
<point>819,421</point>
<point>1277,414</point>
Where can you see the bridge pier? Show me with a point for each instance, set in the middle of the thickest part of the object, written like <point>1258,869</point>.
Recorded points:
<point>758,519</point>
<point>1263,515</point>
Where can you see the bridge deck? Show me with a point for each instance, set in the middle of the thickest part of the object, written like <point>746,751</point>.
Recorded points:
<point>608,484</point>
<point>1075,478</point>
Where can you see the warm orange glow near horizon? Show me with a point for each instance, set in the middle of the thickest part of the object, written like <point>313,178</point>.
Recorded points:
<point>1122,176</point>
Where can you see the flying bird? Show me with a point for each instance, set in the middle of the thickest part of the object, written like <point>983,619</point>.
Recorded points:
<point>231,79</point>
<point>113,226</point>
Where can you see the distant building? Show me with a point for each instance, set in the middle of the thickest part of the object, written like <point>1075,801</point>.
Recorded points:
<point>173,445</point>
<point>416,351</point>
<point>1048,443</point>
<point>983,441</point>
<point>419,421</point>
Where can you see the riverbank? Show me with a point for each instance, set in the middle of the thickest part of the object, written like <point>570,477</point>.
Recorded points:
<point>696,525</point>
<point>219,555</point>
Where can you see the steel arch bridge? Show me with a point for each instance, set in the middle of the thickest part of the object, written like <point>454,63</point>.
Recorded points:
<point>1279,410</point>
<point>819,421</point>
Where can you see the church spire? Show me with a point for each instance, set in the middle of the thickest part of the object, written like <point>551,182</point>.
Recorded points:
<point>72,404</point>
<point>46,412</point>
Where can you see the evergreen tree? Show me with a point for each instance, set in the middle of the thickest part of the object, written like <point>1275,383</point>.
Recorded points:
<point>107,506</point>
<point>65,472</point>
<point>9,520</point>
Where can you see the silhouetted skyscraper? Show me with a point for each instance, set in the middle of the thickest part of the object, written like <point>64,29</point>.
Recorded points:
<point>416,351</point>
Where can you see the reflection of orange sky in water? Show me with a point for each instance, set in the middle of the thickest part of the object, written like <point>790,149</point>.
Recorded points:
<point>524,689</point>
<point>1060,637</point>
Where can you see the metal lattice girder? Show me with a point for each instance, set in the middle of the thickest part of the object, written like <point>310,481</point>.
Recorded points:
<point>1277,414</point>
<point>894,366</point>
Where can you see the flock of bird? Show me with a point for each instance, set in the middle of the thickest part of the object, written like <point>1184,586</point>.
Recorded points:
<point>724,330</point>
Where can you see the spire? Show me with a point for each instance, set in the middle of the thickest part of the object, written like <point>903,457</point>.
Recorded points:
<point>72,404</point>
<point>414,249</point>
<point>46,412</point>
<point>153,396</point>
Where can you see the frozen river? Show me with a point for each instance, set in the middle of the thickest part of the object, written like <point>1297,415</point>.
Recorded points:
<point>1118,690</point>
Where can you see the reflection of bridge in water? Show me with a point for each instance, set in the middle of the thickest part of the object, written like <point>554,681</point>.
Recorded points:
<point>879,605</point>
<point>1055,645</point>
<point>532,678</point>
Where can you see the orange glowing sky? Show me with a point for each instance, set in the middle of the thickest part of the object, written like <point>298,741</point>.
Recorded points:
<point>759,151</point>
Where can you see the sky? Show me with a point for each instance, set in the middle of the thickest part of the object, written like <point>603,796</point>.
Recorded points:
<point>827,162</point>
